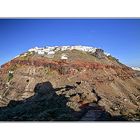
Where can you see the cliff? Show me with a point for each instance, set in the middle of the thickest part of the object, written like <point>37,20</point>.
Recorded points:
<point>87,77</point>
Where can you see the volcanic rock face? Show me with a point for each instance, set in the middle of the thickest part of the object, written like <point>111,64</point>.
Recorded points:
<point>83,84</point>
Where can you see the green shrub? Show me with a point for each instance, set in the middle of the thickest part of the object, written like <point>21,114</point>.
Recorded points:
<point>112,58</point>
<point>10,76</point>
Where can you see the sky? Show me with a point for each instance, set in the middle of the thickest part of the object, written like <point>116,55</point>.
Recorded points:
<point>119,37</point>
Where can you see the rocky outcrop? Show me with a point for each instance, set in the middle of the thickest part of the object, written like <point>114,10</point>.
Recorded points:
<point>46,105</point>
<point>99,53</point>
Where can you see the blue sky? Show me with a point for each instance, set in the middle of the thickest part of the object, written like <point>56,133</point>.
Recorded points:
<point>120,37</point>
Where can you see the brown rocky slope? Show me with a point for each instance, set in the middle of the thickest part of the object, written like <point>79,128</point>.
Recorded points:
<point>83,86</point>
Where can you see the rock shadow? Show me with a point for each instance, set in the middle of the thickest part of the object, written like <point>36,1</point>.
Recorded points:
<point>46,105</point>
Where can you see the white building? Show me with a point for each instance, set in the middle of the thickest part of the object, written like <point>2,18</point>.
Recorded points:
<point>51,53</point>
<point>64,57</point>
<point>40,52</point>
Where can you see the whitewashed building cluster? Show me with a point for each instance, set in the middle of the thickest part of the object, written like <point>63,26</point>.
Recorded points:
<point>136,68</point>
<point>50,51</point>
